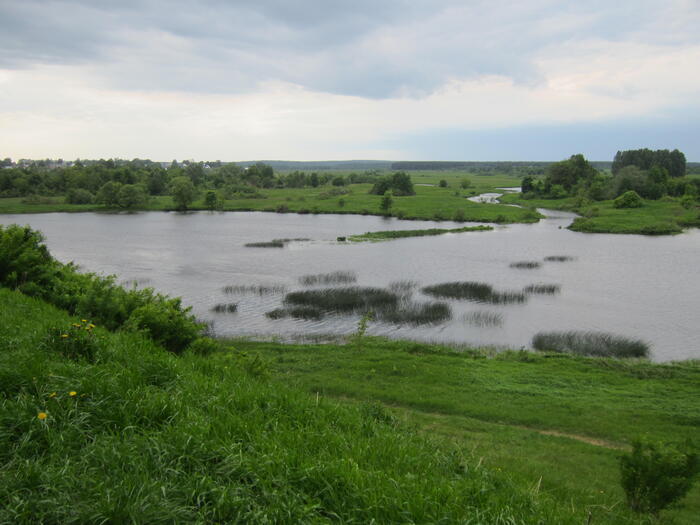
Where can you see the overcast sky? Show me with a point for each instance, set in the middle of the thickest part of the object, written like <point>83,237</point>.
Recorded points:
<point>357,79</point>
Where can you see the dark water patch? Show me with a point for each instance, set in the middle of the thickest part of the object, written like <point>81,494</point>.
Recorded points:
<point>559,258</point>
<point>474,291</point>
<point>484,318</point>
<point>542,289</point>
<point>416,314</point>
<point>347,299</point>
<point>328,278</point>
<point>525,265</point>
<point>595,344</point>
<point>259,289</point>
<point>228,308</point>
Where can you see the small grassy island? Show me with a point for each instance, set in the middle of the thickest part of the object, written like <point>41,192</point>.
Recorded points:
<point>116,408</point>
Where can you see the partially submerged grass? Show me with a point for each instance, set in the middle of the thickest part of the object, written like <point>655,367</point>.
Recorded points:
<point>400,234</point>
<point>542,288</point>
<point>297,312</point>
<point>525,265</point>
<point>258,289</point>
<point>559,258</point>
<point>346,299</point>
<point>328,278</point>
<point>265,244</point>
<point>594,344</point>
<point>403,288</point>
<point>225,308</point>
<point>484,318</point>
<point>474,291</point>
<point>417,314</point>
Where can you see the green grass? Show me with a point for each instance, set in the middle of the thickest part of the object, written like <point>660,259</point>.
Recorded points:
<point>555,423</point>
<point>400,234</point>
<point>429,203</point>
<point>596,344</point>
<point>138,435</point>
<point>665,216</point>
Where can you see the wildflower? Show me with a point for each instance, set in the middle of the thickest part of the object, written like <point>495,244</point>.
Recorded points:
<point>91,325</point>
<point>64,336</point>
<point>76,325</point>
<point>84,320</point>
<point>53,394</point>
<point>41,416</point>
<point>72,393</point>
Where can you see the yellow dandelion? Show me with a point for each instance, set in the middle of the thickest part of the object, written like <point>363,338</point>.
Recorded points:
<point>84,320</point>
<point>53,394</point>
<point>41,415</point>
<point>64,336</point>
<point>72,393</point>
<point>91,325</point>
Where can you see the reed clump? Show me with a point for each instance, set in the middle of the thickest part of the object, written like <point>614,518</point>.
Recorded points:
<point>265,244</point>
<point>558,258</point>
<point>345,299</point>
<point>258,289</point>
<point>328,278</point>
<point>484,319</point>
<point>417,314</point>
<point>594,344</point>
<point>474,291</point>
<point>525,265</point>
<point>296,312</point>
<point>228,308</point>
<point>542,289</point>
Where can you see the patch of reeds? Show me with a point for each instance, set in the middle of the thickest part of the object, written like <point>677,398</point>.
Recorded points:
<point>525,265</point>
<point>417,314</point>
<point>483,318</point>
<point>542,289</point>
<point>328,278</point>
<point>403,287</point>
<point>346,299</point>
<point>274,243</point>
<point>595,344</point>
<point>297,312</point>
<point>474,291</point>
<point>558,258</point>
<point>258,289</point>
<point>228,308</point>
<point>400,234</point>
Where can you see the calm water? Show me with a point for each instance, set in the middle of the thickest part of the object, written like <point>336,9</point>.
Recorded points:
<point>645,287</point>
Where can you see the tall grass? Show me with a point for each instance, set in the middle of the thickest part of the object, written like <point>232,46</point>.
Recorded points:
<point>542,289</point>
<point>558,258</point>
<point>297,312</point>
<point>225,308</point>
<point>265,244</point>
<point>417,314</point>
<point>347,299</point>
<point>328,278</point>
<point>474,291</point>
<point>483,318</point>
<point>595,344</point>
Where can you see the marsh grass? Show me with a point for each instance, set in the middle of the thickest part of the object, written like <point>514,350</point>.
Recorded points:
<point>594,344</point>
<point>400,234</point>
<point>542,289</point>
<point>525,265</point>
<point>474,291</point>
<point>346,299</point>
<point>328,278</point>
<point>559,258</point>
<point>403,288</point>
<point>274,243</point>
<point>416,314</point>
<point>228,308</point>
<point>484,318</point>
<point>297,312</point>
<point>258,289</point>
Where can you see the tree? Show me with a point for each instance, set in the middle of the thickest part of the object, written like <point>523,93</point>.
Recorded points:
<point>183,192</point>
<point>131,196</point>
<point>210,200</point>
<point>385,205</point>
<point>108,194</point>
<point>568,173</point>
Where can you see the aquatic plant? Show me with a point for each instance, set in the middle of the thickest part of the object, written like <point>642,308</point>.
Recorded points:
<point>345,299</point>
<point>484,318</point>
<point>328,278</point>
<point>225,308</point>
<point>259,289</point>
<point>525,265</point>
<point>541,288</point>
<point>474,291</point>
<point>559,258</point>
<point>596,344</point>
<point>265,244</point>
<point>297,312</point>
<point>417,314</point>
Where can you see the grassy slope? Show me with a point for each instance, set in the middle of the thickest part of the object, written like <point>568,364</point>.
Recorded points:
<point>506,409</point>
<point>430,202</point>
<point>152,438</point>
<point>665,216</point>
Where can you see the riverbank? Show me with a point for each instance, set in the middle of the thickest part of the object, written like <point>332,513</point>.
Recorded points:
<point>665,216</point>
<point>136,433</point>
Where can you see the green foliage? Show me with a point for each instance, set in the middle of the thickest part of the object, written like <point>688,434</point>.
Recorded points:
<point>210,200</point>
<point>594,344</point>
<point>75,341</point>
<point>465,183</point>
<point>656,475</point>
<point>629,199</point>
<point>569,173</point>
<point>108,194</point>
<point>25,262</point>
<point>400,234</point>
<point>399,184</point>
<point>672,161</point>
<point>358,337</point>
<point>79,196</point>
<point>204,346</point>
<point>688,201</point>
<point>386,202</point>
<point>442,183</point>
<point>131,196</point>
<point>166,322</point>
<point>183,192</point>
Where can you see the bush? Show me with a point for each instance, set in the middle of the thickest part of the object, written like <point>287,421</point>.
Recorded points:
<point>655,475</point>
<point>629,199</point>
<point>167,323</point>
<point>687,201</point>
<point>25,263</point>
<point>204,346</point>
<point>442,183</point>
<point>79,196</point>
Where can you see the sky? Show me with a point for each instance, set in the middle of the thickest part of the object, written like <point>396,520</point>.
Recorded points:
<point>357,79</point>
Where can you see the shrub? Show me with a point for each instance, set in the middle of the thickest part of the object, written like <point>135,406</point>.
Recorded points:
<point>167,323</point>
<point>655,475</point>
<point>204,346</point>
<point>79,196</point>
<point>25,263</point>
<point>687,201</point>
<point>458,216</point>
<point>442,183</point>
<point>629,199</point>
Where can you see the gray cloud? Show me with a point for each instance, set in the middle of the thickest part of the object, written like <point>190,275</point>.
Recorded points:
<point>370,49</point>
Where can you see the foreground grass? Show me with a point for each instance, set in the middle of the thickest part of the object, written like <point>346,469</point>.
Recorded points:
<point>139,435</point>
<point>429,203</point>
<point>661,217</point>
<point>400,234</point>
<point>554,422</point>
